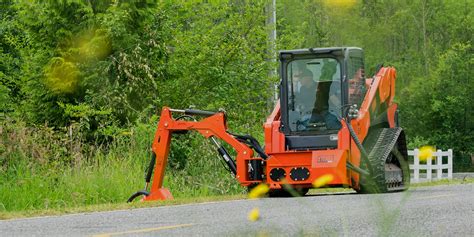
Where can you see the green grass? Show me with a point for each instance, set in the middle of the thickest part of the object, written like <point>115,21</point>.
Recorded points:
<point>443,182</point>
<point>42,174</point>
<point>111,182</point>
<point>44,189</point>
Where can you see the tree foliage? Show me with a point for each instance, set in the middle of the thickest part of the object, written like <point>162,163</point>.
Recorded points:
<point>428,41</point>
<point>104,66</point>
<point>439,109</point>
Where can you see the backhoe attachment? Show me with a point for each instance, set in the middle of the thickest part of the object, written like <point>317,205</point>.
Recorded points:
<point>212,126</point>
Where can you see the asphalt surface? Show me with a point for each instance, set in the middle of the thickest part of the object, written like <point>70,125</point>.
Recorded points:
<point>427,211</point>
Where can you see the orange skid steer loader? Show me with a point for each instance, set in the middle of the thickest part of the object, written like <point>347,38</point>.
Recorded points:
<point>330,121</point>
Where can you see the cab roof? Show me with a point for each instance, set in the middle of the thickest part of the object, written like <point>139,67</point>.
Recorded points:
<point>329,50</point>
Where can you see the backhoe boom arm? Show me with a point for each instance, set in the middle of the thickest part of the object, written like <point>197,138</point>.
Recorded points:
<point>213,126</point>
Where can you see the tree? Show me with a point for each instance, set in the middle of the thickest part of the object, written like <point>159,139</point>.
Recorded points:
<point>439,108</point>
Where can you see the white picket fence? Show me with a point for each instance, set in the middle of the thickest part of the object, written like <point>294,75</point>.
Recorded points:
<point>437,166</point>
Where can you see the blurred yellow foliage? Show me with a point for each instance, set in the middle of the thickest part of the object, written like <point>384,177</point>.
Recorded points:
<point>92,44</point>
<point>61,76</point>
<point>62,73</point>
<point>259,191</point>
<point>339,3</point>
<point>426,152</point>
<point>254,214</point>
<point>323,180</point>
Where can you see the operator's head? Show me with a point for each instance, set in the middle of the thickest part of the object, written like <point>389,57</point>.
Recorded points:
<point>306,78</point>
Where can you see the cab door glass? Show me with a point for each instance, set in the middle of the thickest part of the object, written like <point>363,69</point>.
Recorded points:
<point>314,95</point>
<point>356,79</point>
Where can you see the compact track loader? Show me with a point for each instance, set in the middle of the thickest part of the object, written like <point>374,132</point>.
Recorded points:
<point>330,120</point>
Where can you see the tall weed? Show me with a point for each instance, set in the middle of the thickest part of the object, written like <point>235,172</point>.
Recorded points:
<point>45,168</point>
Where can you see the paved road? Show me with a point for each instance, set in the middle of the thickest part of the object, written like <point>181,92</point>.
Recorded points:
<point>428,211</point>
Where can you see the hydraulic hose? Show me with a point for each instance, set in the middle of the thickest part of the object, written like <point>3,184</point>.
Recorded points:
<point>204,113</point>
<point>362,150</point>
<point>148,174</point>
<point>349,165</point>
<point>253,143</point>
<point>151,166</point>
<point>137,194</point>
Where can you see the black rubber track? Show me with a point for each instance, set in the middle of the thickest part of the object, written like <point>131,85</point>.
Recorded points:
<point>385,145</point>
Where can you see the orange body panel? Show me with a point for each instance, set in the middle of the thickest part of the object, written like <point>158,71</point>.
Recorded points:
<point>384,86</point>
<point>274,139</point>
<point>319,163</point>
<point>391,114</point>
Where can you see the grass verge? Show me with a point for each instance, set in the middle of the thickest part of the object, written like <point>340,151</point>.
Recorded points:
<point>443,182</point>
<point>116,206</point>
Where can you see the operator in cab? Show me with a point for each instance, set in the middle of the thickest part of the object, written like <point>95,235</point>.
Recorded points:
<point>306,93</point>
<point>329,113</point>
